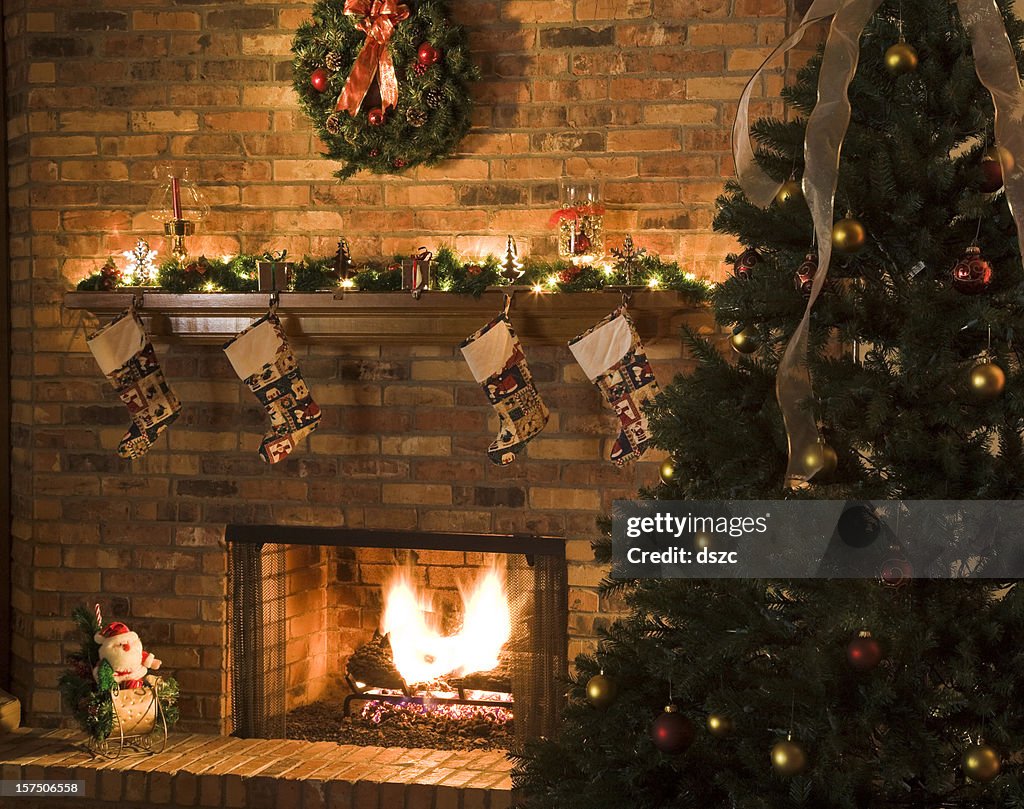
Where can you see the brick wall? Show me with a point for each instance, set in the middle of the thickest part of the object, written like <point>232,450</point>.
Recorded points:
<point>639,92</point>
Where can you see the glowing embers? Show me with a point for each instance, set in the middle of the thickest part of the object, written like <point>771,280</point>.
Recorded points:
<point>421,652</point>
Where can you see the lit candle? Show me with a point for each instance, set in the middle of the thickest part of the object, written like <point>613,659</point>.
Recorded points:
<point>176,197</point>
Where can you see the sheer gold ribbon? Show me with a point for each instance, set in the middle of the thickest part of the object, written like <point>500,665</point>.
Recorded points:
<point>826,128</point>
<point>996,66</point>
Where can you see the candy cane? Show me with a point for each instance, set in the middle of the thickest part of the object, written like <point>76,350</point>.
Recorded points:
<point>99,617</point>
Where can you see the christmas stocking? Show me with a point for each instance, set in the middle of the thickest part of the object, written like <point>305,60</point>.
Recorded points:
<point>613,358</point>
<point>125,355</point>
<point>495,357</point>
<point>263,360</point>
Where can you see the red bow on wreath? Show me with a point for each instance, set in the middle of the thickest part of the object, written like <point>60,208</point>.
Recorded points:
<point>379,18</point>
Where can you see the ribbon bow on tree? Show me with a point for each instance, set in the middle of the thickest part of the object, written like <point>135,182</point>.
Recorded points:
<point>378,21</point>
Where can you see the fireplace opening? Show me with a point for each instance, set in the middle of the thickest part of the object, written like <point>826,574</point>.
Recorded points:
<point>396,638</point>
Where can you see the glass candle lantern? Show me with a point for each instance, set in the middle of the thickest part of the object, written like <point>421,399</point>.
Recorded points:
<point>580,221</point>
<point>178,205</point>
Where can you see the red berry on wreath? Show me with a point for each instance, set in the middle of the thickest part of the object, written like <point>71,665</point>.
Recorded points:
<point>474,269</point>
<point>374,152</point>
<point>318,78</point>
<point>399,163</point>
<point>427,54</point>
<point>375,116</point>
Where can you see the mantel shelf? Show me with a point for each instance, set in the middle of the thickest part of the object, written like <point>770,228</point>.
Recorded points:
<point>393,317</point>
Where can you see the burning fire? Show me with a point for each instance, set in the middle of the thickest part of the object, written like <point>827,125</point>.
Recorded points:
<point>421,653</point>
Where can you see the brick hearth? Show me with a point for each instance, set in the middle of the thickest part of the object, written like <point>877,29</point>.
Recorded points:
<point>218,771</point>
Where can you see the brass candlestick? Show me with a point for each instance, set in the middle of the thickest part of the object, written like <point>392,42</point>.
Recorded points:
<point>177,230</point>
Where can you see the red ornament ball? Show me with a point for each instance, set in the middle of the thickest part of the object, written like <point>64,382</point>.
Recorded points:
<point>805,274</point>
<point>972,273</point>
<point>375,116</point>
<point>318,78</point>
<point>746,263</point>
<point>672,732</point>
<point>896,571</point>
<point>474,269</point>
<point>863,653</point>
<point>991,176</point>
<point>427,54</point>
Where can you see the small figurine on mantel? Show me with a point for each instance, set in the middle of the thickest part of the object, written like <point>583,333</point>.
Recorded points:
<point>511,266</point>
<point>627,257</point>
<point>342,271</point>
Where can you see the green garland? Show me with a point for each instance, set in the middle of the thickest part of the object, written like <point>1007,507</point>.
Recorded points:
<point>88,699</point>
<point>448,274</point>
<point>433,110</point>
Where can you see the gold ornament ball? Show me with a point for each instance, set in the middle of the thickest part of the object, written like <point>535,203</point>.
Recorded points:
<point>791,190</point>
<point>744,341</point>
<point>601,691</point>
<point>981,763</point>
<point>822,457</point>
<point>848,235</point>
<point>1003,156</point>
<point>719,725</point>
<point>901,58</point>
<point>667,472</point>
<point>788,758</point>
<point>703,541</point>
<point>987,380</point>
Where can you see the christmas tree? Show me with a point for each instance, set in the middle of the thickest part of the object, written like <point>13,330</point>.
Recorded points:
<point>826,693</point>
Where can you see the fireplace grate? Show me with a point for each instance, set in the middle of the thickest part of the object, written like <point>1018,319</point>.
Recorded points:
<point>536,652</point>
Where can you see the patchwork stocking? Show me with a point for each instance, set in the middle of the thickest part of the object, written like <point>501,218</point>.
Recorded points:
<point>495,357</point>
<point>125,354</point>
<point>263,360</point>
<point>613,358</point>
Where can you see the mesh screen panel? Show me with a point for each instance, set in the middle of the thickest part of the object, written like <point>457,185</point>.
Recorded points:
<point>257,639</point>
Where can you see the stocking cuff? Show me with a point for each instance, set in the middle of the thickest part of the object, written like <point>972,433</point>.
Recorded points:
<point>117,342</point>
<point>599,348</point>
<point>488,351</point>
<point>254,347</point>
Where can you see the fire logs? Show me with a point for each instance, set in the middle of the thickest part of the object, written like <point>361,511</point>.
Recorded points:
<point>372,664</point>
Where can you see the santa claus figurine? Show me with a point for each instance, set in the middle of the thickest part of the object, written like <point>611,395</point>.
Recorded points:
<point>122,649</point>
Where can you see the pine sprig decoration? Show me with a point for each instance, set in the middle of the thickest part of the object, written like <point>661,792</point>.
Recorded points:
<point>332,41</point>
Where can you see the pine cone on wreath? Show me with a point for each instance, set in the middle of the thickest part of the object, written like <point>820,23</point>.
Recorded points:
<point>434,98</point>
<point>417,116</point>
<point>333,123</point>
<point>419,69</point>
<point>334,62</point>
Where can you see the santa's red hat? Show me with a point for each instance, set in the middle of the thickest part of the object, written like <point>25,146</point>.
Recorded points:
<point>113,629</point>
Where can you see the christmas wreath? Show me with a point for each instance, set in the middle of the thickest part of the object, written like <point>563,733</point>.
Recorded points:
<point>384,82</point>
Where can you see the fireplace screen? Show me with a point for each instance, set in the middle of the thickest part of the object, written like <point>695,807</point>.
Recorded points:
<point>397,629</point>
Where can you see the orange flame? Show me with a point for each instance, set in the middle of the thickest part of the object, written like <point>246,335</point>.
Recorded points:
<point>421,653</point>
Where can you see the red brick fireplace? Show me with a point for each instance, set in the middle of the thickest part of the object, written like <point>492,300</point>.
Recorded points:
<point>401,446</point>
<point>638,94</point>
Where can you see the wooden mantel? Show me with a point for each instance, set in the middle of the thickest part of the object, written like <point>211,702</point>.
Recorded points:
<point>394,317</point>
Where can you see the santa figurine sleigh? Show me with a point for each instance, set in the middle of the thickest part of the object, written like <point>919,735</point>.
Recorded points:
<point>139,720</point>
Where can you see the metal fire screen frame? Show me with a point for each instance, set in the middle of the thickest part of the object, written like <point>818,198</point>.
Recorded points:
<point>258,621</point>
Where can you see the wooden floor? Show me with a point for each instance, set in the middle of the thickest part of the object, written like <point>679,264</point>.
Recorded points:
<point>221,771</point>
